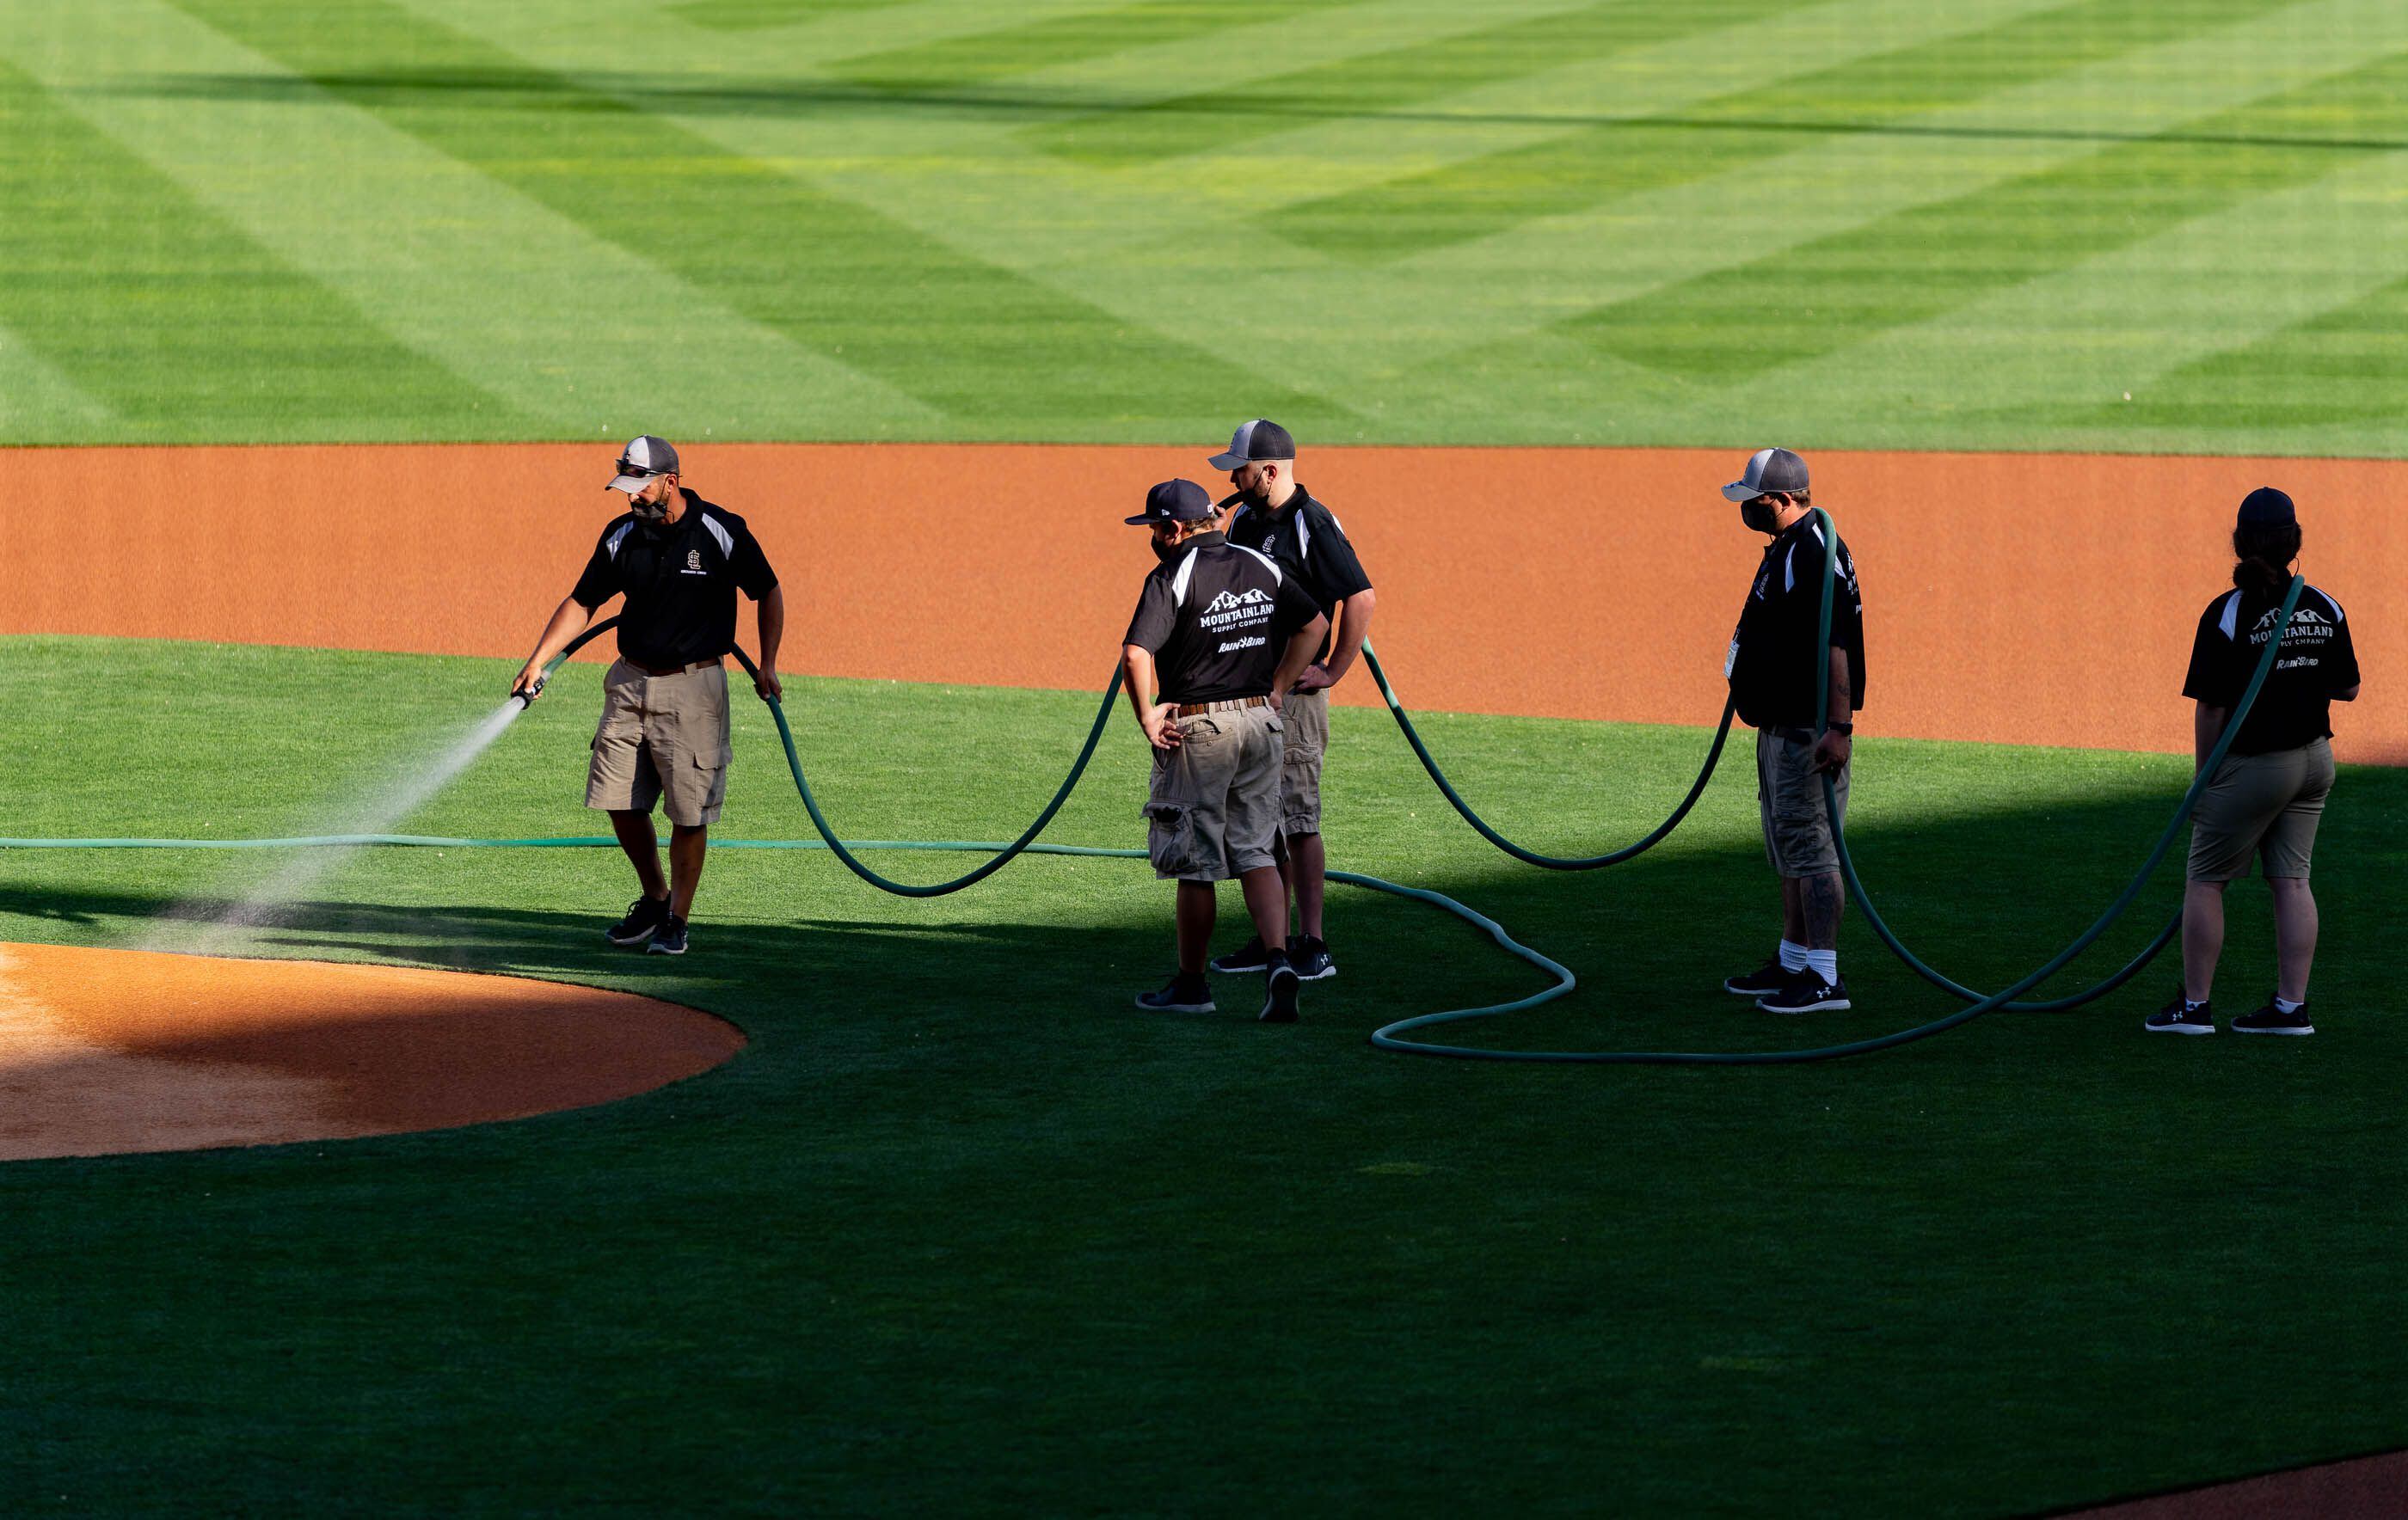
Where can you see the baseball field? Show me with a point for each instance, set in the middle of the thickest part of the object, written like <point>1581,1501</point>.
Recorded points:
<point>320,325</point>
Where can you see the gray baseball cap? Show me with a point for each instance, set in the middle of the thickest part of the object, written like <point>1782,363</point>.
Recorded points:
<point>642,458</point>
<point>1258,439</point>
<point>1767,470</point>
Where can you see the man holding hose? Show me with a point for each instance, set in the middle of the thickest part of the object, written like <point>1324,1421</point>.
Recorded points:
<point>1775,665</point>
<point>664,736</point>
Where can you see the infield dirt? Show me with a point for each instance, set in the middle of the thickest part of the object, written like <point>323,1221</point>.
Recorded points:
<point>110,1051</point>
<point>2009,598</point>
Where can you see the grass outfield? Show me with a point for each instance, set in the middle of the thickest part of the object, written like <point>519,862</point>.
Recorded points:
<point>961,1229</point>
<point>1884,223</point>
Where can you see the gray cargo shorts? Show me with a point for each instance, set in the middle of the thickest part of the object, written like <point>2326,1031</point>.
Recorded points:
<point>1213,808</point>
<point>1789,798</point>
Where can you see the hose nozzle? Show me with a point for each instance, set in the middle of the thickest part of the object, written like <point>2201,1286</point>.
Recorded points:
<point>525,695</point>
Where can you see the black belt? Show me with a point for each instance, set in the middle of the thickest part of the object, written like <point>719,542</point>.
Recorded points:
<point>1796,736</point>
<point>1197,709</point>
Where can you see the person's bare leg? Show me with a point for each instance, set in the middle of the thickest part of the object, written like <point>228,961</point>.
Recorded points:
<point>643,848</point>
<point>1307,871</point>
<point>1820,900</point>
<point>2202,937</point>
<point>2295,937</point>
<point>686,847</point>
<point>1267,901</point>
<point>1197,907</point>
<point>1792,910</point>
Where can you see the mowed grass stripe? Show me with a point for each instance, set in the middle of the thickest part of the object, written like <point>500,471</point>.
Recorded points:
<point>764,15</point>
<point>1053,40</point>
<point>2136,319</point>
<point>2340,366</point>
<point>37,403</point>
<point>1492,193</point>
<point>1648,242</point>
<point>447,260</point>
<point>1219,120</point>
<point>1821,296</point>
<point>154,305</point>
<point>950,330</point>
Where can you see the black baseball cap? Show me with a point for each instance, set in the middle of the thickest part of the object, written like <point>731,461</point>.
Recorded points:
<point>1256,440</point>
<point>1767,470</point>
<point>2266,506</point>
<point>642,458</point>
<point>1175,500</point>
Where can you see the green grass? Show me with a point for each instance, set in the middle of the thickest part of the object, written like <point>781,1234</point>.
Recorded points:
<point>960,1229</point>
<point>1866,222</point>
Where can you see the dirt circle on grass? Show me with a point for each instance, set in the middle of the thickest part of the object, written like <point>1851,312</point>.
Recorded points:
<point>107,1052</point>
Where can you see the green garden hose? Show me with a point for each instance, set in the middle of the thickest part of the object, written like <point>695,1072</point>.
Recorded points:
<point>1550,862</point>
<point>1386,1037</point>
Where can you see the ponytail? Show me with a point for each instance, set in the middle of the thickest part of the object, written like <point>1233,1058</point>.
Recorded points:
<point>2265,552</point>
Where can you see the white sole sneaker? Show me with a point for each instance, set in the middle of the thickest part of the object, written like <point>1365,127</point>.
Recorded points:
<point>2303,1028</point>
<point>2181,1029</point>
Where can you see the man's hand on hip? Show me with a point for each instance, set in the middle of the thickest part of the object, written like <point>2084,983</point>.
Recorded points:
<point>1161,726</point>
<point>1316,678</point>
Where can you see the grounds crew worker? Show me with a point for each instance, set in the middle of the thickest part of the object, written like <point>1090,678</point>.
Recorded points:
<point>664,733</point>
<point>1220,629</point>
<point>1774,664</point>
<point>2269,795</point>
<point>1278,517</point>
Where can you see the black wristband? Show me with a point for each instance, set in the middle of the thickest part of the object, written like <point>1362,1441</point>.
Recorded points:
<point>1842,728</point>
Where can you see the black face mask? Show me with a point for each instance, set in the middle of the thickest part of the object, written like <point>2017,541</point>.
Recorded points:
<point>1162,551</point>
<point>1759,515</point>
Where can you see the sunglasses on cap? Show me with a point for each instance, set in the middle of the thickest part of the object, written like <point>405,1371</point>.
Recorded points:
<point>628,466</point>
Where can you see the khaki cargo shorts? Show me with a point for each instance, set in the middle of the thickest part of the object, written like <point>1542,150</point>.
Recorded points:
<point>2266,805</point>
<point>1789,797</point>
<point>1213,810</point>
<point>662,739</point>
<point>1307,717</point>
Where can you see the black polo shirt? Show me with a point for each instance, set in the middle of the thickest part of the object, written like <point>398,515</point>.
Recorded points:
<point>1304,537</point>
<point>2294,706</point>
<point>1216,618</point>
<point>680,581</point>
<point>1775,664</point>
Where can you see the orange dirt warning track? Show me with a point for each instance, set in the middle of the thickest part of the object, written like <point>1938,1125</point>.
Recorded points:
<point>110,1051</point>
<point>2016,598</point>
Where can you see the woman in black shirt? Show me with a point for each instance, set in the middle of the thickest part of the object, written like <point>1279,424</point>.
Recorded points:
<point>2266,797</point>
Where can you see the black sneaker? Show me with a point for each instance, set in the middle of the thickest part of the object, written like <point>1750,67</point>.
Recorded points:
<point>2178,1017</point>
<point>1807,993</point>
<point>1766,981</point>
<point>2272,1020</point>
<point>1310,959</point>
<point>644,919</point>
<point>1181,994</point>
<point>671,937</point>
<point>1250,956</point>
<point>1280,994</point>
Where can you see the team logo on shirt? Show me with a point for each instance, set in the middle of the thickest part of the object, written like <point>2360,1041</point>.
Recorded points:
<point>1227,600</point>
<point>693,559</point>
<point>2306,624</point>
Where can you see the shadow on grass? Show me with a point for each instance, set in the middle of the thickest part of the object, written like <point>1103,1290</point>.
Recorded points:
<point>532,90</point>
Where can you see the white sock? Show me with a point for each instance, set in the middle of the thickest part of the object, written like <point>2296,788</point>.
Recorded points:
<point>1825,964</point>
<point>2284,1006</point>
<point>1793,957</point>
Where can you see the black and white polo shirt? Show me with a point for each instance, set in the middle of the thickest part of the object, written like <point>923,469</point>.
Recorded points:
<point>1775,664</point>
<point>2294,706</point>
<point>1216,617</point>
<point>680,581</point>
<point>1303,535</point>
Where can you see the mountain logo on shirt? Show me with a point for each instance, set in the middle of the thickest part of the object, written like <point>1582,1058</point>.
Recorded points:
<point>693,559</point>
<point>1228,600</point>
<point>2306,623</point>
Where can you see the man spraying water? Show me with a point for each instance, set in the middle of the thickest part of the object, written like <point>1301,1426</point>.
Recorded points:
<point>664,735</point>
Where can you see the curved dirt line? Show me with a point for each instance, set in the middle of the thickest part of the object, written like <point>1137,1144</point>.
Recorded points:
<point>103,1052</point>
<point>2011,598</point>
